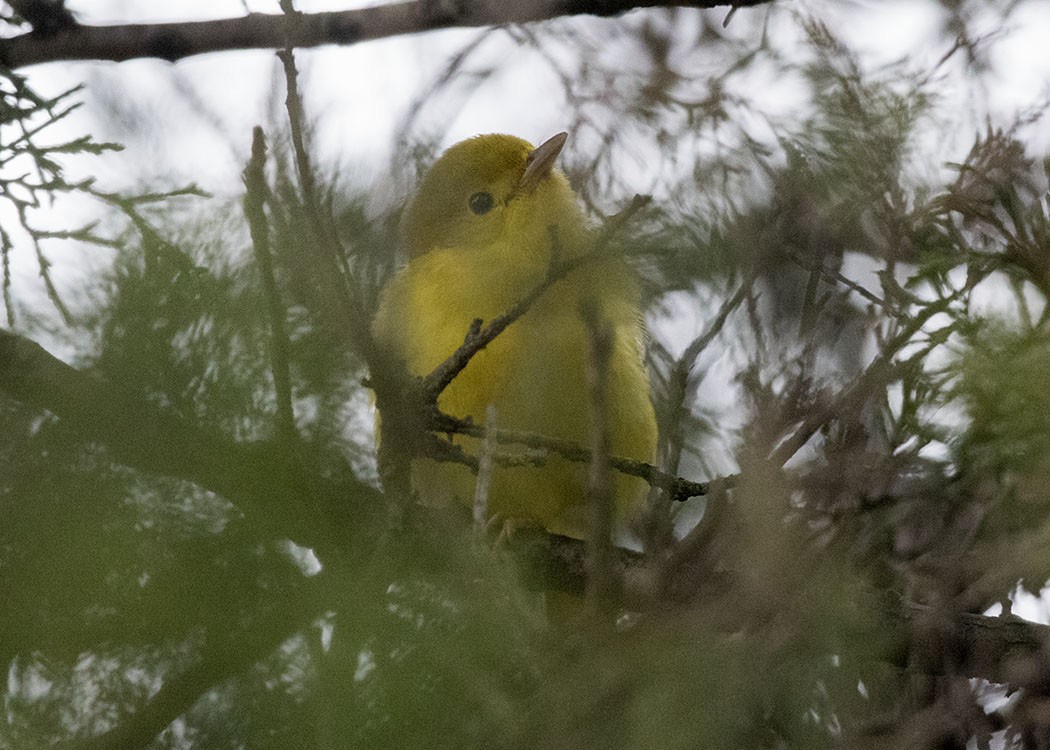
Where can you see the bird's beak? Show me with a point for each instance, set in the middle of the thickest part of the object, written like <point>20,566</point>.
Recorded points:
<point>540,162</point>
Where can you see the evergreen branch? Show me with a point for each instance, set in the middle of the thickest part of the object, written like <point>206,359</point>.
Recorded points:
<point>990,648</point>
<point>223,658</point>
<point>255,476</point>
<point>254,210</point>
<point>880,372</point>
<point>600,581</point>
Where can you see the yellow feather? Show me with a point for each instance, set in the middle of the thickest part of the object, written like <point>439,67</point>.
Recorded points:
<point>465,264</point>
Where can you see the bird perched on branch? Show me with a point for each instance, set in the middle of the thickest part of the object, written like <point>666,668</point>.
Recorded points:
<point>489,222</point>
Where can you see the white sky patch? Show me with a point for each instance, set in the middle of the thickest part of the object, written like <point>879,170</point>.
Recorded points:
<point>366,664</point>
<point>884,31</point>
<point>303,557</point>
<point>1032,607</point>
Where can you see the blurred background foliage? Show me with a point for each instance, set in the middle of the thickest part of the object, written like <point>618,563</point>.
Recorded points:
<point>848,313</point>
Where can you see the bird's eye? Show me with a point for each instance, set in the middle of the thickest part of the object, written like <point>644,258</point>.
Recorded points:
<point>481,203</point>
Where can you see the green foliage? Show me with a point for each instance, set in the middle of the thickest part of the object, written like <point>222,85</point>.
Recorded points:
<point>1002,383</point>
<point>1004,453</point>
<point>889,442</point>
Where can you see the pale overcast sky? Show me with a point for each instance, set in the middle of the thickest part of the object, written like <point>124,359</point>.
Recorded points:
<point>361,91</point>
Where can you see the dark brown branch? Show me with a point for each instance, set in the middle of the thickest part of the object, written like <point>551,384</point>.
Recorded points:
<point>47,17</point>
<point>174,41</point>
<point>679,488</point>
<point>1003,649</point>
<point>698,539</point>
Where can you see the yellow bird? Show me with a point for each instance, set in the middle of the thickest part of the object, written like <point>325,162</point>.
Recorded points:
<point>488,221</point>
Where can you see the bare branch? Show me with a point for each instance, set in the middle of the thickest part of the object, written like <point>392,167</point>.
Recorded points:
<point>174,41</point>
<point>45,16</point>
<point>834,277</point>
<point>294,106</point>
<point>679,488</point>
<point>699,538</point>
<point>657,522</point>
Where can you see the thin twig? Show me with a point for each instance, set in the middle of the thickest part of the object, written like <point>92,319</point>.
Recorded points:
<point>293,102</point>
<point>320,222</point>
<point>680,489</point>
<point>836,277</point>
<point>254,202</point>
<point>658,520</point>
<point>479,336</point>
<point>699,538</point>
<point>878,373</point>
<point>697,346</point>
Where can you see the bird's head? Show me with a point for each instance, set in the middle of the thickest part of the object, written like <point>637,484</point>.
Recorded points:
<point>485,187</point>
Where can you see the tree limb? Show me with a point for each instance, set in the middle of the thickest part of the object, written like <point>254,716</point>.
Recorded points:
<point>174,41</point>
<point>45,16</point>
<point>678,487</point>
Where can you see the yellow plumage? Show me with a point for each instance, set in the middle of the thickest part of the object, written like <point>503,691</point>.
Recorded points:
<point>481,233</point>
